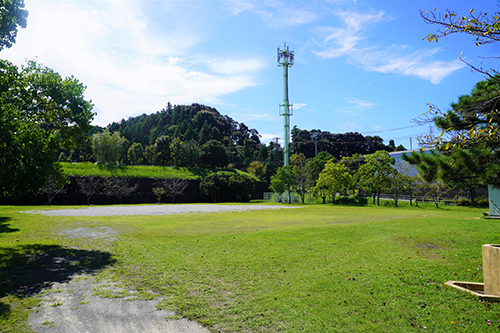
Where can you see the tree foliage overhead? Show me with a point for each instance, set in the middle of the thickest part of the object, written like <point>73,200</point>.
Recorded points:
<point>12,16</point>
<point>471,122</point>
<point>483,27</point>
<point>39,112</point>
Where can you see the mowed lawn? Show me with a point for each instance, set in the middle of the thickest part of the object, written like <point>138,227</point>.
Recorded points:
<point>318,268</point>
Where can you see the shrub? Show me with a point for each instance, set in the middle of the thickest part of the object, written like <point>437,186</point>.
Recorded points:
<point>353,200</point>
<point>482,203</point>
<point>241,186</point>
<point>228,186</point>
<point>463,202</point>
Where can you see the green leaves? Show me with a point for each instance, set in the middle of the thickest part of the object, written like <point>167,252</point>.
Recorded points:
<point>39,112</point>
<point>12,16</point>
<point>283,179</point>
<point>334,178</point>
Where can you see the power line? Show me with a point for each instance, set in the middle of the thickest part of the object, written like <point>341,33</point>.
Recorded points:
<point>394,129</point>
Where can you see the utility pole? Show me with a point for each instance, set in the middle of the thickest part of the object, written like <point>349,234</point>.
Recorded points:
<point>285,60</point>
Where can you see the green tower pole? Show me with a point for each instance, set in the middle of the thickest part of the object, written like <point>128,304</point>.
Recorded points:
<point>285,60</point>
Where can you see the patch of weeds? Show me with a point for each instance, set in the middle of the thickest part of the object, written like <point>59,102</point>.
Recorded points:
<point>48,323</point>
<point>57,303</point>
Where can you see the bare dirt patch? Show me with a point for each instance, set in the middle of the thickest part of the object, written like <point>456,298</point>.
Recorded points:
<point>74,307</point>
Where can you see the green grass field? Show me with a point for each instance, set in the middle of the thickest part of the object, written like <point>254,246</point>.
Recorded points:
<point>320,268</point>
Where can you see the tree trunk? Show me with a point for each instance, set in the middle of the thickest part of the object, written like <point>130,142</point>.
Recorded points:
<point>472,195</point>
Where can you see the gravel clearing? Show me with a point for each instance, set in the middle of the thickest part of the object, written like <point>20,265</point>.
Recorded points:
<point>155,209</point>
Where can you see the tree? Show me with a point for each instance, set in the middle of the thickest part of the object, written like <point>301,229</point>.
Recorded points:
<point>170,187</point>
<point>162,148</point>
<point>375,175</point>
<point>315,165</point>
<point>283,180</point>
<point>471,122</point>
<point>353,163</point>
<point>485,28</point>
<point>40,112</point>
<point>118,187</point>
<point>436,191</point>
<point>176,156</point>
<point>335,178</point>
<point>214,155</point>
<point>413,188</point>
<point>474,120</point>
<point>12,16</point>
<point>241,186</point>
<point>216,186</point>
<point>89,186</point>
<point>190,151</point>
<point>256,169</point>
<point>150,154</point>
<point>158,192</point>
<point>245,154</point>
<point>465,169</point>
<point>135,153</point>
<point>107,147</point>
<point>301,181</point>
<point>53,187</point>
<point>397,185</point>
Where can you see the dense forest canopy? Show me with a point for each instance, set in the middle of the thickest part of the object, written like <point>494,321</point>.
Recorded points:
<point>337,144</point>
<point>187,122</point>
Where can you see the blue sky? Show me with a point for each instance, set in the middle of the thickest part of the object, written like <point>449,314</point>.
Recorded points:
<point>360,65</point>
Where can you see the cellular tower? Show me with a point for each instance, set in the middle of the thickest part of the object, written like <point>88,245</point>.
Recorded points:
<point>285,60</point>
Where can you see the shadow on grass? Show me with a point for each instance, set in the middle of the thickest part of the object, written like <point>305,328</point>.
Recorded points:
<point>4,227</point>
<point>27,270</point>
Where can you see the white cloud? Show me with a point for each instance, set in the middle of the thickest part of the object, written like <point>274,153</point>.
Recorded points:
<point>297,106</point>
<point>237,6</point>
<point>128,70</point>
<point>396,59</point>
<point>276,14</point>
<point>266,138</point>
<point>419,63</point>
<point>287,17</point>
<point>255,116</point>
<point>360,104</point>
<point>343,41</point>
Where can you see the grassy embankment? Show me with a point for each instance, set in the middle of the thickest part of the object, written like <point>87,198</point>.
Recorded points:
<point>320,268</point>
<point>136,171</point>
